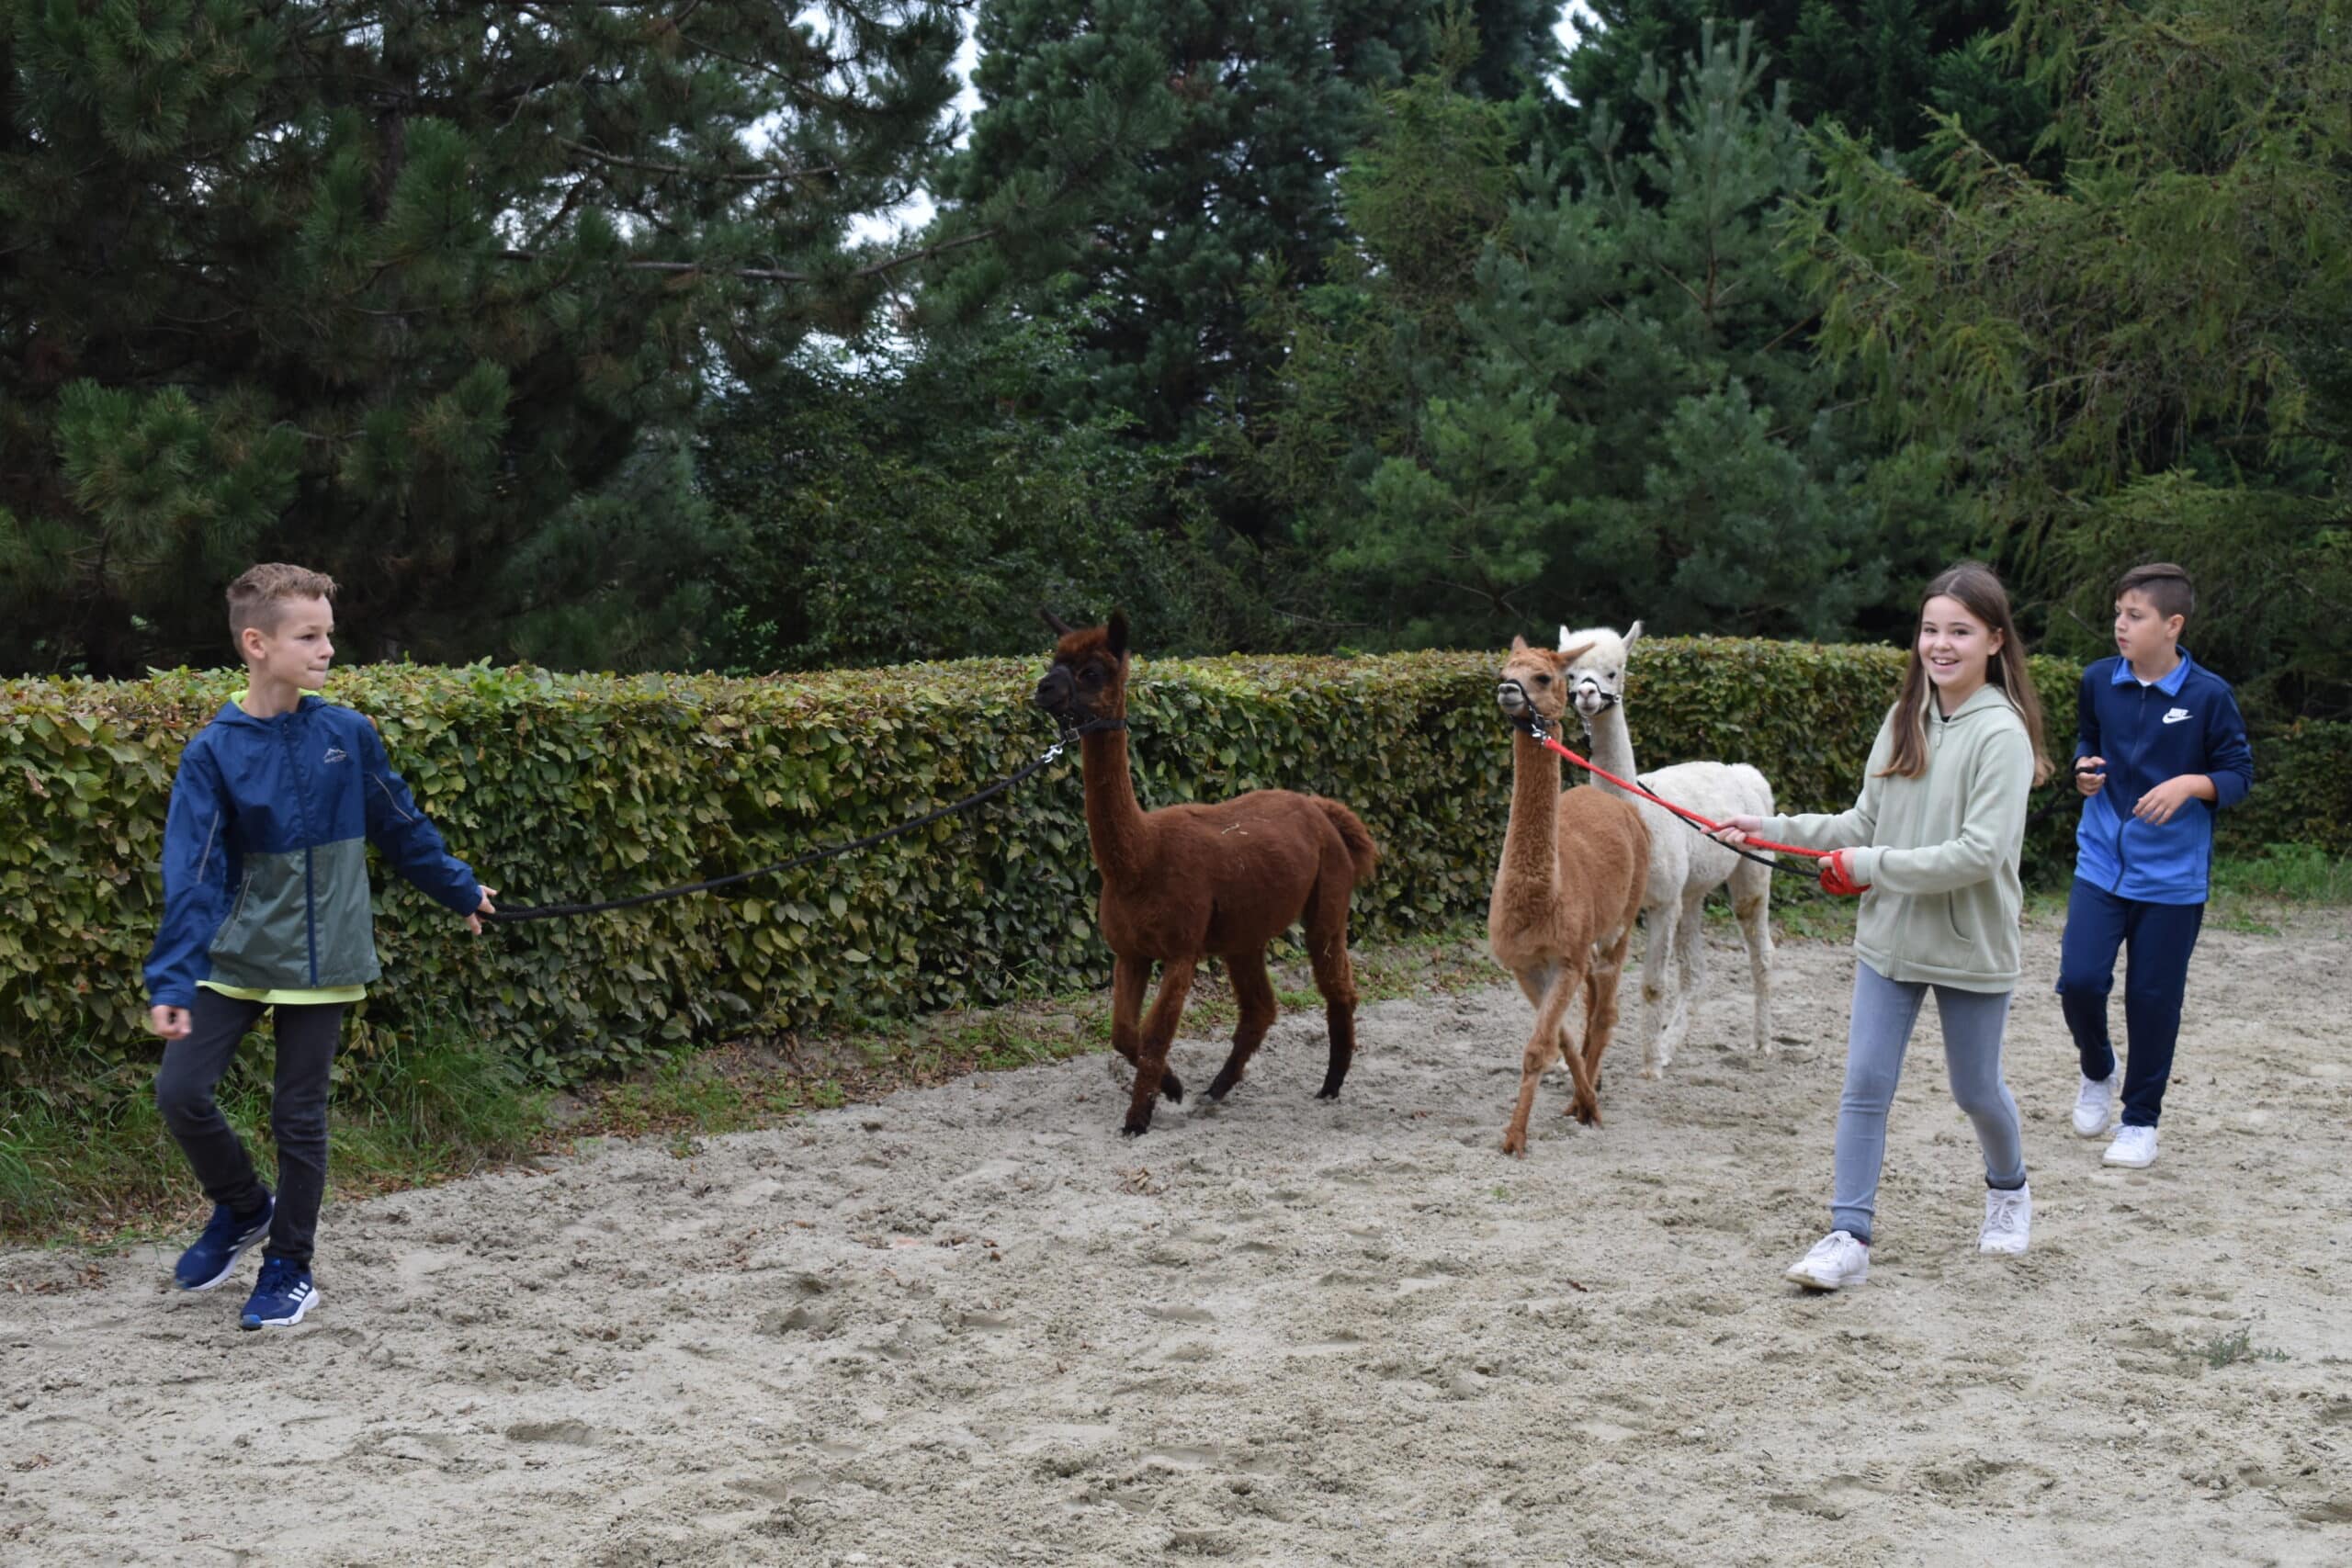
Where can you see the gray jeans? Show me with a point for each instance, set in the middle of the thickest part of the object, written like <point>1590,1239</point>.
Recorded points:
<point>1884,1011</point>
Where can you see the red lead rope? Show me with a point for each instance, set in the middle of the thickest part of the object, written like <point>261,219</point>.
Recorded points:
<point>1833,877</point>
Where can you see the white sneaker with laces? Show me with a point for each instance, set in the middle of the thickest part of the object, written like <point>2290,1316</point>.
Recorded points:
<point>1836,1261</point>
<point>2135,1148</point>
<point>2009,1222</point>
<point>2095,1104</point>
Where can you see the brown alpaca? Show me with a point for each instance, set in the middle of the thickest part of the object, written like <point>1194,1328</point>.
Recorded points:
<point>1186,882</point>
<point>1575,867</point>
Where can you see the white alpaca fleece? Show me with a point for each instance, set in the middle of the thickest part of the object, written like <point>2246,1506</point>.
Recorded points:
<point>1685,864</point>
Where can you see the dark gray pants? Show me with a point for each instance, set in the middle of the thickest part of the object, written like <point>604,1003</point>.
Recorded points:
<point>194,1066</point>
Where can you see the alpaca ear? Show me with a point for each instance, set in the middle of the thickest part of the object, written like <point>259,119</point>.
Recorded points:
<point>1117,628</point>
<point>1565,635</point>
<point>1061,627</point>
<point>1519,645</point>
<point>1570,655</point>
<point>1632,633</point>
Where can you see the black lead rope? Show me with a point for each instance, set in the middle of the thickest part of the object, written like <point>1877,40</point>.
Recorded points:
<point>823,852</point>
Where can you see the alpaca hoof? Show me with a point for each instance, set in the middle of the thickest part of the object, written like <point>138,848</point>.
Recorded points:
<point>1172,1091</point>
<point>1515,1144</point>
<point>1222,1086</point>
<point>1133,1129</point>
<point>1588,1114</point>
<point>1329,1091</point>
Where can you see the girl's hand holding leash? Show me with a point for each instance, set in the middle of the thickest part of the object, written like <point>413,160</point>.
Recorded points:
<point>473,922</point>
<point>1736,830</point>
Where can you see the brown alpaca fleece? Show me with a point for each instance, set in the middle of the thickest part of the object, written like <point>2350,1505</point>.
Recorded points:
<point>1567,896</point>
<point>1188,882</point>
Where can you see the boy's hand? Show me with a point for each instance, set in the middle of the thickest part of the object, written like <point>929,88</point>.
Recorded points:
<point>2090,774</point>
<point>169,1023</point>
<point>473,922</point>
<point>2156,806</point>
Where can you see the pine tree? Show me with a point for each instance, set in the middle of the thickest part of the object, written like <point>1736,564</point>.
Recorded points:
<point>419,294</point>
<point>2147,360</point>
<point>1881,68</point>
<point>1246,113</point>
<point>1633,425</point>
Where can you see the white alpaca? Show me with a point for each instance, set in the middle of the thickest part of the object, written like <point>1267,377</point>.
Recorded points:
<point>1685,866</point>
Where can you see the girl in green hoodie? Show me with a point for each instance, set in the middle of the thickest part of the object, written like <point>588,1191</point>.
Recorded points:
<point>1932,843</point>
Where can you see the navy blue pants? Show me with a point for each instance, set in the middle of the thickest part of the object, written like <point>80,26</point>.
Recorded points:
<point>2159,937</point>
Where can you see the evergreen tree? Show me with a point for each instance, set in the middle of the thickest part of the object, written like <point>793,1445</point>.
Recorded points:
<point>419,294</point>
<point>1630,423</point>
<point>1881,68</point>
<point>1246,112</point>
<point>2147,361</point>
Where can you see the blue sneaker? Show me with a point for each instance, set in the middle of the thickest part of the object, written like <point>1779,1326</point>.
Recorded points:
<point>209,1259</point>
<point>282,1297</point>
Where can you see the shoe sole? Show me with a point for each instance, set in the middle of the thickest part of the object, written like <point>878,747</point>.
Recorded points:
<point>2101,1131</point>
<point>1796,1276</point>
<point>231,1267</point>
<point>1985,1251</point>
<point>2129,1164</point>
<point>299,1313</point>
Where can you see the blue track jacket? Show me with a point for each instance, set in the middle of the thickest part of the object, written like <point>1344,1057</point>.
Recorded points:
<point>2185,723</point>
<point>265,854</point>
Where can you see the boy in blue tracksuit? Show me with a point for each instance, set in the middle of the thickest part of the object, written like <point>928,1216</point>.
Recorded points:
<point>2162,749</point>
<point>265,906</point>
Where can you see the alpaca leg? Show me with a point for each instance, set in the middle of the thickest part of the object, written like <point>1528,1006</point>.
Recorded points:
<point>1658,984</point>
<point>1130,978</point>
<point>1255,996</point>
<point>1601,1006</point>
<point>1751,901</point>
<point>1563,982</point>
<point>1689,974</point>
<point>1158,1034</point>
<point>1335,975</point>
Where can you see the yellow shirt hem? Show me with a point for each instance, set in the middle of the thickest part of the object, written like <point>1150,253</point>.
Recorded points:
<point>321,997</point>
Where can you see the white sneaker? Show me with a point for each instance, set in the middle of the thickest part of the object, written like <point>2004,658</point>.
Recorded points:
<point>2096,1103</point>
<point>2008,1220</point>
<point>1836,1261</point>
<point>2135,1148</point>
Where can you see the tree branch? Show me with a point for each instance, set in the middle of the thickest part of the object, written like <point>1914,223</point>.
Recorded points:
<point>782,274</point>
<point>681,170</point>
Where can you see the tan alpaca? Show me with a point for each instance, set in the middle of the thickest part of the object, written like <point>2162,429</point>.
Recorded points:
<point>1569,889</point>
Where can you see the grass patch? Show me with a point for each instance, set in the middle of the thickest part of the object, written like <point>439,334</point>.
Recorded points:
<point>2228,1349</point>
<point>89,1159</point>
<point>2258,894</point>
<point>86,1159</point>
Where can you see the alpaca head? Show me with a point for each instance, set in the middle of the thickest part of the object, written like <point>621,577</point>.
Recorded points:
<point>1596,675</point>
<point>1533,683</point>
<point>1088,679</point>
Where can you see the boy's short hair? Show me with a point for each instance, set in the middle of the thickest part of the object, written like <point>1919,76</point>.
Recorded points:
<point>2163,584</point>
<point>258,598</point>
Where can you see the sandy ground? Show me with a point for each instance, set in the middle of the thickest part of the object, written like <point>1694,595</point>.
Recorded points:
<point>973,1326</point>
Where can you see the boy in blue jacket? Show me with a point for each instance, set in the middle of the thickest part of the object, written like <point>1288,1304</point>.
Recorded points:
<point>2163,749</point>
<point>265,906</point>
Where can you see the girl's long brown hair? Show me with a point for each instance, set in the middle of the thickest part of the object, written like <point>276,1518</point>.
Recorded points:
<point>1981,593</point>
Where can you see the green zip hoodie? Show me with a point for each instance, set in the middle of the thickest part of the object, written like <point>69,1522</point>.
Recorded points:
<point>1939,852</point>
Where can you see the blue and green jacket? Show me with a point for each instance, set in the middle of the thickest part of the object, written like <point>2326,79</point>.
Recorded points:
<point>265,854</point>
<point>2185,723</point>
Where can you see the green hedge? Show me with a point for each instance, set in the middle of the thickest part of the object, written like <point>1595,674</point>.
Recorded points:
<point>566,788</point>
